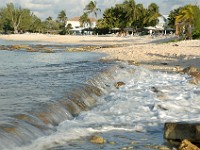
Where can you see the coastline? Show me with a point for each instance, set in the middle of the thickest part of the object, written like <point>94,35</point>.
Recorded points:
<point>152,53</point>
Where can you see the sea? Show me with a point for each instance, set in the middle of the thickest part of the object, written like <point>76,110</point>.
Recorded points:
<point>57,101</point>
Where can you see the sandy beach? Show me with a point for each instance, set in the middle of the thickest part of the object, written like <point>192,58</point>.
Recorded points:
<point>152,53</point>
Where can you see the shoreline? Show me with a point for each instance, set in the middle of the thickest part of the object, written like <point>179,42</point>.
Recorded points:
<point>152,53</point>
<point>144,51</point>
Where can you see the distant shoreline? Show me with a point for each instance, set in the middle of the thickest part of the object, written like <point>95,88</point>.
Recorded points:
<point>145,50</point>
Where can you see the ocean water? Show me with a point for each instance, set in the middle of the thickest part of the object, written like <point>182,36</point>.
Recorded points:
<point>56,101</point>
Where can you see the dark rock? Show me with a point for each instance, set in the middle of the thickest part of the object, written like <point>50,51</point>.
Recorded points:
<point>159,93</point>
<point>118,84</point>
<point>155,90</point>
<point>187,145</point>
<point>180,131</point>
<point>164,63</point>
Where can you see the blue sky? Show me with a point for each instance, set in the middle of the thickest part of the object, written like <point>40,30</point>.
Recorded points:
<point>46,8</point>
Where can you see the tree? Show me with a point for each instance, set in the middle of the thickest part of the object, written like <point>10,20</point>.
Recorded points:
<point>49,21</point>
<point>68,28</point>
<point>62,17</point>
<point>84,20</point>
<point>92,8</point>
<point>16,19</point>
<point>186,19</point>
<point>131,11</point>
<point>172,17</point>
<point>36,24</point>
<point>129,14</point>
<point>14,15</point>
<point>152,15</point>
<point>141,13</point>
<point>26,20</point>
<point>52,26</point>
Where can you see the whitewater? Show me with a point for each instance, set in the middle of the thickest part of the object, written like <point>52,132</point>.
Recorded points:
<point>57,101</point>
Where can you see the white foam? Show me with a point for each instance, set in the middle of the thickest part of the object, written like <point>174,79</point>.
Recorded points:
<point>133,107</point>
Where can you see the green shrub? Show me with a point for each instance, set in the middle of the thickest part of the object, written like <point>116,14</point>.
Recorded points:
<point>196,34</point>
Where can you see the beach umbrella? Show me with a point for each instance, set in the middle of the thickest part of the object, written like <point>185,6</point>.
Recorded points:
<point>116,29</point>
<point>150,28</point>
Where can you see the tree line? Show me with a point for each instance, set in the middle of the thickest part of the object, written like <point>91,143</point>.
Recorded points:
<point>129,14</point>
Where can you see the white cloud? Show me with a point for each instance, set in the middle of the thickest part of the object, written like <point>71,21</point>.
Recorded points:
<point>46,8</point>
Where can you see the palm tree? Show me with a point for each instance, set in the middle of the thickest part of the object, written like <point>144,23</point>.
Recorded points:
<point>49,22</point>
<point>92,8</point>
<point>84,20</point>
<point>68,28</point>
<point>141,13</point>
<point>62,16</point>
<point>130,7</point>
<point>152,15</point>
<point>185,20</point>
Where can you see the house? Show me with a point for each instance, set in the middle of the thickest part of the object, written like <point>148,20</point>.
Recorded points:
<point>76,26</point>
<point>162,21</point>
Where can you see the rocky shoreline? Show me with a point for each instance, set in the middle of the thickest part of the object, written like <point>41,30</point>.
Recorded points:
<point>179,57</point>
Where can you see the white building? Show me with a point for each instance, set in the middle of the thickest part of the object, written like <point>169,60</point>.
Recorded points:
<point>76,26</point>
<point>163,21</point>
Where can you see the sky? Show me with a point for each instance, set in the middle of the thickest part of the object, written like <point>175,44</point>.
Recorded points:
<point>46,8</point>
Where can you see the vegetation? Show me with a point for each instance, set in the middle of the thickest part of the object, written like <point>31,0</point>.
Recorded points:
<point>84,19</point>
<point>129,14</point>
<point>62,18</point>
<point>17,19</point>
<point>186,20</point>
<point>92,8</point>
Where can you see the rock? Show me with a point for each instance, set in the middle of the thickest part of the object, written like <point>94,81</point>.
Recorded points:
<point>112,142</point>
<point>194,72</point>
<point>187,145</point>
<point>82,49</point>
<point>157,147</point>
<point>132,62</point>
<point>196,77</point>
<point>47,50</point>
<point>159,93</point>
<point>190,69</point>
<point>155,90</point>
<point>180,131</point>
<point>97,139</point>
<point>118,84</point>
<point>164,63</point>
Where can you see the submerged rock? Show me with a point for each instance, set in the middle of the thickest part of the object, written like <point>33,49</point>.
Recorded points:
<point>159,93</point>
<point>82,48</point>
<point>157,147</point>
<point>97,139</point>
<point>187,145</point>
<point>181,131</point>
